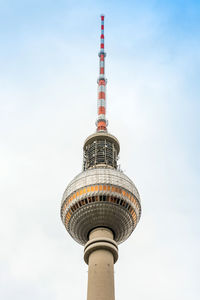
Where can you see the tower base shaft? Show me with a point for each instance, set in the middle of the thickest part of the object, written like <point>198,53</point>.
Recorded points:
<point>100,253</point>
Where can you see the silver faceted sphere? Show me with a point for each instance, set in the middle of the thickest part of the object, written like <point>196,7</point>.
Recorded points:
<point>100,197</point>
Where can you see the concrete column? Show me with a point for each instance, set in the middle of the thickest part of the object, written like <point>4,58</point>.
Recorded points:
<point>101,252</point>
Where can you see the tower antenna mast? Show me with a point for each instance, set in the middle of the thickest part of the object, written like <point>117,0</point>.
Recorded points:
<point>101,104</point>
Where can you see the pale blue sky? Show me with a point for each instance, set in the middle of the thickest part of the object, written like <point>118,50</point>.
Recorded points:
<point>48,90</point>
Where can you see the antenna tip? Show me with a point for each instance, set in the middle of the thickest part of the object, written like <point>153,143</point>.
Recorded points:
<point>102,17</point>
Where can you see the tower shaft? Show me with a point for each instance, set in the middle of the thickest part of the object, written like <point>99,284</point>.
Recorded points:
<point>100,253</point>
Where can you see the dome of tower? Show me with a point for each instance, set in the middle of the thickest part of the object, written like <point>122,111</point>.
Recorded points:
<point>100,196</point>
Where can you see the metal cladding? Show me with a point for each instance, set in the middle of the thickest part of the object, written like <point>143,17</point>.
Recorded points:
<point>101,104</point>
<point>101,195</point>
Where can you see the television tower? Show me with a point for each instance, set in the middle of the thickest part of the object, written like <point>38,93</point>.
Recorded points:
<point>101,205</point>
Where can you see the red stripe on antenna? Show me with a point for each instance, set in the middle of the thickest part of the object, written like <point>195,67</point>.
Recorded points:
<point>102,95</point>
<point>101,110</point>
<point>102,82</point>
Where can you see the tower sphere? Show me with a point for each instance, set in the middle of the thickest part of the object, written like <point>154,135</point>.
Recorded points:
<point>101,195</point>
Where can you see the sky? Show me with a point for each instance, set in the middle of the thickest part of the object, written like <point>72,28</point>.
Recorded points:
<point>48,106</point>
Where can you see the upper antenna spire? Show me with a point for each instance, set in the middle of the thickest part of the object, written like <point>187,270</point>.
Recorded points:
<point>101,120</point>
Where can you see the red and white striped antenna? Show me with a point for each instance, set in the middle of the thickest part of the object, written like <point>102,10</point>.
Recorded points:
<point>101,105</point>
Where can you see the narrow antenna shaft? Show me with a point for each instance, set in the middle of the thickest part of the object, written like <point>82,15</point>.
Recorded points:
<point>101,105</point>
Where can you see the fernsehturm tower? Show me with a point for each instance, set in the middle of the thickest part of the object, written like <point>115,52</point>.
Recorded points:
<point>101,205</point>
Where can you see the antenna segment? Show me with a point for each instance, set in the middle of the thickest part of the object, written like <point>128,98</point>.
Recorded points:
<point>101,105</point>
